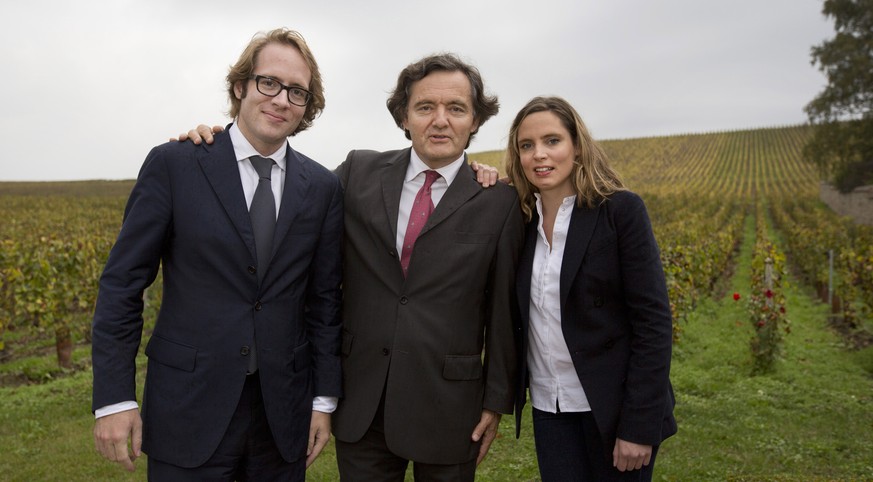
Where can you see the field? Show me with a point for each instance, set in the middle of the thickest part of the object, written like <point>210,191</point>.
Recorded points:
<point>773,354</point>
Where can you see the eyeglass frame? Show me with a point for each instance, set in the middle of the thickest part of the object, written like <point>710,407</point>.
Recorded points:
<point>257,79</point>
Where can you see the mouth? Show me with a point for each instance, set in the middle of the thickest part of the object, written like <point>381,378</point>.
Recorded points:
<point>274,117</point>
<point>543,170</point>
<point>439,138</point>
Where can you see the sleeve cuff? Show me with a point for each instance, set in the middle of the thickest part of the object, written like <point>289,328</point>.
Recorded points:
<point>120,407</point>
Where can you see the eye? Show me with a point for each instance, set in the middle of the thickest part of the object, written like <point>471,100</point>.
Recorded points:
<point>523,146</point>
<point>553,141</point>
<point>268,82</point>
<point>296,92</point>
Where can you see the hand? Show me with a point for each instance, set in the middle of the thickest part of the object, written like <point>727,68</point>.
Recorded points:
<point>485,175</point>
<point>202,133</point>
<point>319,434</point>
<point>630,456</point>
<point>111,435</point>
<point>486,431</point>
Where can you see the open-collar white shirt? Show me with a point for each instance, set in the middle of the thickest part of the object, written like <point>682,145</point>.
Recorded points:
<point>554,383</point>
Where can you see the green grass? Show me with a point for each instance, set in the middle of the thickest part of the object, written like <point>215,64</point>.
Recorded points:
<point>811,419</point>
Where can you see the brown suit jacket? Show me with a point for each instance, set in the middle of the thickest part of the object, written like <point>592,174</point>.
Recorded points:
<point>420,340</point>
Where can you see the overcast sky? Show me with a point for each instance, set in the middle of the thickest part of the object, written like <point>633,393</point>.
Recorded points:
<point>90,86</point>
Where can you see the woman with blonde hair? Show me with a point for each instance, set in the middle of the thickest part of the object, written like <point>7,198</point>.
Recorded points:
<point>597,333</point>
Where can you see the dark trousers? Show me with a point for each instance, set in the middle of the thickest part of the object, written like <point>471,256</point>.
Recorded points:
<point>569,448</point>
<point>370,460</point>
<point>246,453</point>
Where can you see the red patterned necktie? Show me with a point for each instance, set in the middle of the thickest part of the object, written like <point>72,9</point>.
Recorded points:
<point>421,209</point>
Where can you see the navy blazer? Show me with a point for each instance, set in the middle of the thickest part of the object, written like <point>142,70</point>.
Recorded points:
<point>615,317</point>
<point>187,214</point>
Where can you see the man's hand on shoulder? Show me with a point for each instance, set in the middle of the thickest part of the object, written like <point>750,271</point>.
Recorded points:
<point>111,434</point>
<point>487,175</point>
<point>202,133</point>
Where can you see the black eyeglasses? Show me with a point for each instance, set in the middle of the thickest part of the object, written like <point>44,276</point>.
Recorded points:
<point>272,87</point>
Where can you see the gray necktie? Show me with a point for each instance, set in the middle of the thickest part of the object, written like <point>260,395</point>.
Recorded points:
<point>263,214</point>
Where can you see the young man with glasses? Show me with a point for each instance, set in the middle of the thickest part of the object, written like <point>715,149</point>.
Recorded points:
<point>248,234</point>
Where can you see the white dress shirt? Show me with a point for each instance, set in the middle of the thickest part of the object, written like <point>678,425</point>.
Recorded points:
<point>249,177</point>
<point>553,380</point>
<point>412,184</point>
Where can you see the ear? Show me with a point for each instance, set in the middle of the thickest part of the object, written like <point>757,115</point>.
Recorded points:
<point>238,89</point>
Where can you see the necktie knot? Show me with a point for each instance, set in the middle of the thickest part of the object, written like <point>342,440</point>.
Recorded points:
<point>430,177</point>
<point>263,166</point>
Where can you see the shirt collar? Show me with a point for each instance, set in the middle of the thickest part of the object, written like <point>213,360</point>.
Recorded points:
<point>243,149</point>
<point>569,200</point>
<point>417,166</point>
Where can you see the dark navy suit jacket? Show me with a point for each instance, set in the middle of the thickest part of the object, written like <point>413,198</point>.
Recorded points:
<point>188,215</point>
<point>615,317</point>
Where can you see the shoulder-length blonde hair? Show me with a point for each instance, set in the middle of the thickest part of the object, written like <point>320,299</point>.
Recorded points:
<point>244,67</point>
<point>593,179</point>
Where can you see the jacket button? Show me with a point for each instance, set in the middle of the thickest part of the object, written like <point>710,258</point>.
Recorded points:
<point>252,270</point>
<point>386,351</point>
<point>598,301</point>
<point>244,351</point>
<point>258,306</point>
<point>404,300</point>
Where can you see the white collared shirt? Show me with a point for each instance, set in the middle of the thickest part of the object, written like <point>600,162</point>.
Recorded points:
<point>412,184</point>
<point>553,379</point>
<point>243,150</point>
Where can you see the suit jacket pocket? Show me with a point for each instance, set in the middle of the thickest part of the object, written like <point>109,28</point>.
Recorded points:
<point>302,357</point>
<point>462,367</point>
<point>172,354</point>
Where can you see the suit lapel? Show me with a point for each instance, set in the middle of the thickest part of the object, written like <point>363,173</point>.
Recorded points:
<point>525,270</point>
<point>219,165</point>
<point>293,195</point>
<point>392,176</point>
<point>462,189</point>
<point>582,223</point>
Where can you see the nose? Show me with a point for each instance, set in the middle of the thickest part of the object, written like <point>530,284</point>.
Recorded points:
<point>440,118</point>
<point>281,99</point>
<point>539,152</point>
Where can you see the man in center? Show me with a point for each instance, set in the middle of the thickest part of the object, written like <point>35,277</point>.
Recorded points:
<point>428,351</point>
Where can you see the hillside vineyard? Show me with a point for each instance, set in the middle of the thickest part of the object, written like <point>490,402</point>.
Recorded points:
<point>700,190</point>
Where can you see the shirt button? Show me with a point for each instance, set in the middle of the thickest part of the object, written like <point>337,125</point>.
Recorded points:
<point>252,270</point>
<point>404,300</point>
<point>244,351</point>
<point>258,306</point>
<point>386,351</point>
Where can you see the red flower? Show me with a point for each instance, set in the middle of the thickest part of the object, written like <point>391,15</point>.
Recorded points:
<point>782,309</point>
<point>768,294</point>
<point>760,323</point>
<point>736,296</point>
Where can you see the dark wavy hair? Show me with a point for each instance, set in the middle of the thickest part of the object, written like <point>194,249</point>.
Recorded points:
<point>484,106</point>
